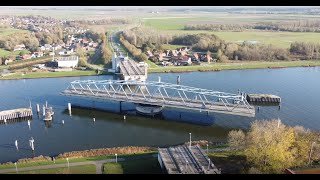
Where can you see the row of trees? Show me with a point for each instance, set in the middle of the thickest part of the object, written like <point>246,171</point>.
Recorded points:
<point>232,51</point>
<point>306,50</point>
<point>292,26</point>
<point>106,53</point>
<point>140,36</point>
<point>10,41</point>
<point>137,53</point>
<point>271,146</point>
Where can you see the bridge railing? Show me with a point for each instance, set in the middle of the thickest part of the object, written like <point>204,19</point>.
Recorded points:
<point>162,93</point>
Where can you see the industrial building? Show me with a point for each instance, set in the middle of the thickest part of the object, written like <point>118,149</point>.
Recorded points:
<point>68,62</point>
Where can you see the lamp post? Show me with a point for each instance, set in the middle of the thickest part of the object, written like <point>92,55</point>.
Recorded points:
<point>190,140</point>
<point>116,158</point>
<point>16,167</point>
<point>207,148</point>
<point>311,152</point>
<point>68,163</point>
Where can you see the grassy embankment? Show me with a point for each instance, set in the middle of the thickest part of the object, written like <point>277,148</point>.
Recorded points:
<point>144,166</point>
<point>31,75</point>
<point>73,160</point>
<point>85,169</point>
<point>234,66</point>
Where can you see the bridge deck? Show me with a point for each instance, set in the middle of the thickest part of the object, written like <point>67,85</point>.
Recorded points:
<point>183,160</point>
<point>130,68</point>
<point>158,100</point>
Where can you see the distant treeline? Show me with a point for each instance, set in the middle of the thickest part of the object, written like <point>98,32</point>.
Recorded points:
<point>291,26</point>
<point>133,50</point>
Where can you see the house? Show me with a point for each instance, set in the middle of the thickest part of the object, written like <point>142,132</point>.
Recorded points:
<point>26,56</point>
<point>149,54</point>
<point>19,47</point>
<point>68,62</point>
<point>48,47</point>
<point>38,54</point>
<point>51,53</point>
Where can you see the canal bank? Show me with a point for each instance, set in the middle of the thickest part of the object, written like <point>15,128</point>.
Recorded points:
<point>175,69</point>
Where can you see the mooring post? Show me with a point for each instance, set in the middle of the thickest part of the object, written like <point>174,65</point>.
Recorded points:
<point>69,108</point>
<point>46,103</point>
<point>43,110</point>
<point>120,109</point>
<point>258,108</point>
<point>178,79</point>
<point>62,122</point>
<point>207,113</point>
<point>279,107</point>
<point>124,117</point>
<point>238,91</point>
<point>94,119</point>
<point>159,79</point>
<point>38,108</point>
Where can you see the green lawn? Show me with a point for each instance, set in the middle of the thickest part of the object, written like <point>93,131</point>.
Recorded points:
<point>49,74</point>
<point>229,162</point>
<point>84,169</point>
<point>227,66</point>
<point>145,166</point>
<point>171,46</point>
<point>4,52</point>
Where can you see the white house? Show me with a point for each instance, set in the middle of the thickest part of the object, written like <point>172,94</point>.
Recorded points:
<point>68,61</point>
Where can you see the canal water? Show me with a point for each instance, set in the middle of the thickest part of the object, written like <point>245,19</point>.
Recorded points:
<point>299,89</point>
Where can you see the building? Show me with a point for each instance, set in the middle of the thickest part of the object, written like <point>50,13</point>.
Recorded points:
<point>186,160</point>
<point>19,47</point>
<point>116,63</point>
<point>68,62</point>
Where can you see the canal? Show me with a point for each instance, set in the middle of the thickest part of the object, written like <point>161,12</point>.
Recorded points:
<point>299,89</point>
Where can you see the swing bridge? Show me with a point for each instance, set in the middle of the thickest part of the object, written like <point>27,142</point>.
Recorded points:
<point>162,94</point>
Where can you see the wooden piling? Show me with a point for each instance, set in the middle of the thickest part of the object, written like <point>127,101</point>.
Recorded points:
<point>38,108</point>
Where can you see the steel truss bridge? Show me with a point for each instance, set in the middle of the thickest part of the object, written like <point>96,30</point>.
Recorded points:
<point>162,94</point>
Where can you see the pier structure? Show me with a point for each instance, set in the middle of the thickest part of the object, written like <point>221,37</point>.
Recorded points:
<point>15,114</point>
<point>186,160</point>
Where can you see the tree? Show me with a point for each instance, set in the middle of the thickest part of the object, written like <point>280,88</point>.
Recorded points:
<point>269,146</point>
<point>236,140</point>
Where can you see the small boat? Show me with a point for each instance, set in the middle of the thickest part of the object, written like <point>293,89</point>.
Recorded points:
<point>147,109</point>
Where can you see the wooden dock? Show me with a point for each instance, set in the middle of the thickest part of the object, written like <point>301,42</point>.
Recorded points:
<point>15,114</point>
<point>263,98</point>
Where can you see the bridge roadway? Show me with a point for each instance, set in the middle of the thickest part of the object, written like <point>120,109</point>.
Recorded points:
<point>186,160</point>
<point>159,100</point>
<point>131,68</point>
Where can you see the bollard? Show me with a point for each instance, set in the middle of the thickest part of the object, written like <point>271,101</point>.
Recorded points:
<point>69,106</point>
<point>43,110</point>
<point>38,108</point>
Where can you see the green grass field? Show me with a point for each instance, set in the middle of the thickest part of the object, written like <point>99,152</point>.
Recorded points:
<point>30,75</point>
<point>85,169</point>
<point>4,52</point>
<point>145,166</point>
<point>230,66</point>
<point>174,26</point>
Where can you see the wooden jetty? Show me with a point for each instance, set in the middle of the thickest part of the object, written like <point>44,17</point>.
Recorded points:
<point>263,98</point>
<point>15,114</point>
